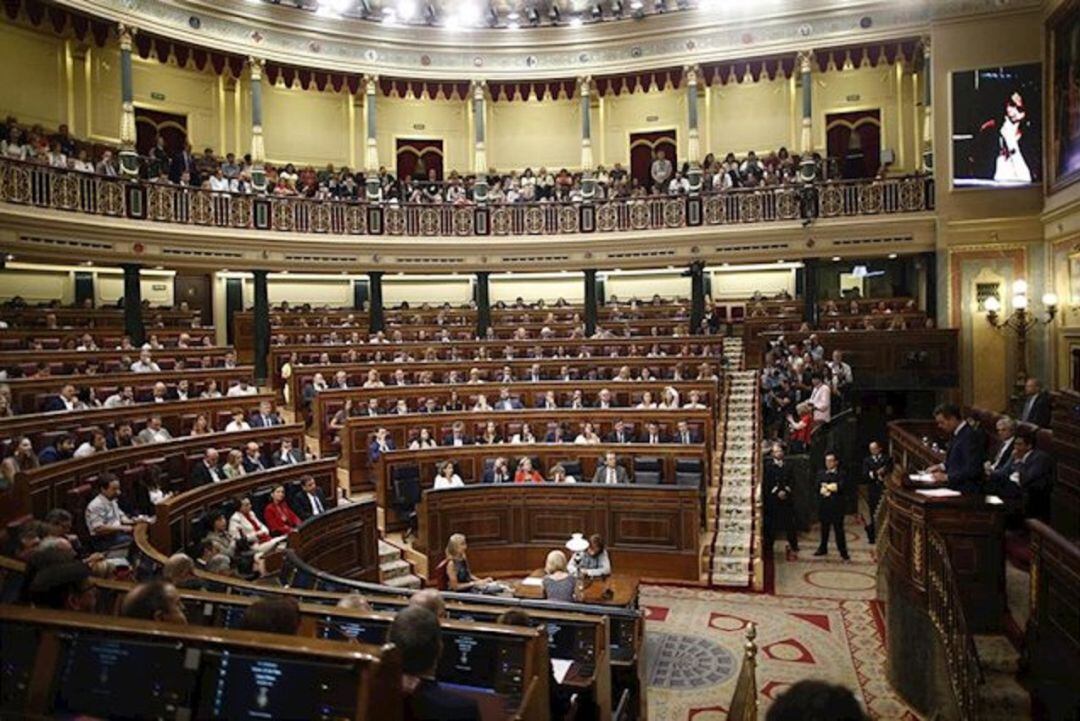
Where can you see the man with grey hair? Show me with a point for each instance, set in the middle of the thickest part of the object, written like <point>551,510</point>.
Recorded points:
<point>1001,466</point>
<point>430,599</point>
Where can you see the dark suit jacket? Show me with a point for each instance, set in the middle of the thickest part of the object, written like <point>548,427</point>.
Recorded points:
<point>550,438</point>
<point>489,476</point>
<point>676,437</point>
<point>964,460</point>
<point>660,437</point>
<point>1036,481</point>
<point>431,702</point>
<point>612,437</point>
<point>1004,463</point>
<point>252,467</point>
<point>278,460</point>
<point>1040,410</point>
<point>373,450</point>
<point>448,440</point>
<point>180,164</point>
<point>49,454</point>
<point>873,471</point>
<point>542,403</point>
<point>302,504</point>
<point>601,474</point>
<point>776,479</point>
<point>200,475</point>
<point>509,404</point>
<point>256,421</point>
<point>54,403</point>
<point>833,506</point>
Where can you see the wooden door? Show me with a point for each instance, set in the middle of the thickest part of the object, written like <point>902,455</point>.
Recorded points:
<point>415,157</point>
<point>643,148</point>
<point>151,123</point>
<point>854,141</point>
<point>194,288</point>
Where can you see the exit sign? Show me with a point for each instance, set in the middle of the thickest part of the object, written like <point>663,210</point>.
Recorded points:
<point>157,96</point>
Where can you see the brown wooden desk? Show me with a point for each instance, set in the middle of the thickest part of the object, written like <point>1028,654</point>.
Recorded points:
<point>624,590</point>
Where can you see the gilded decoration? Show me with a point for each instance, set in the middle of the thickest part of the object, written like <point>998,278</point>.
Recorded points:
<point>16,187</point>
<point>355,220</point>
<point>463,221</point>
<point>534,220</point>
<point>674,213</point>
<point>65,192</point>
<point>607,217</point>
<point>202,209</point>
<point>320,218</point>
<point>394,220</point>
<point>912,196</point>
<point>240,211</point>
<point>917,552</point>
<point>283,215</point>
<point>429,221</point>
<point>714,209</point>
<point>787,204</point>
<point>568,219</point>
<point>639,216</point>
<point>831,201</point>
<point>871,199</point>
<point>750,210</point>
<point>160,203</point>
<point>110,199</point>
<point>501,222</point>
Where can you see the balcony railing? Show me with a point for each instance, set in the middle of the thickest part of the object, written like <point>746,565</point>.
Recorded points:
<point>45,187</point>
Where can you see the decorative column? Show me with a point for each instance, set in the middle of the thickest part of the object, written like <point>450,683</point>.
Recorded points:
<point>590,303</point>
<point>480,188</point>
<point>697,295</point>
<point>371,151</point>
<point>129,159</point>
<point>133,320</point>
<point>588,182</point>
<point>693,142</point>
<point>483,304</point>
<point>810,290</point>
<point>928,109</point>
<point>807,169</point>
<point>262,325</point>
<point>258,152</point>
<point>375,304</point>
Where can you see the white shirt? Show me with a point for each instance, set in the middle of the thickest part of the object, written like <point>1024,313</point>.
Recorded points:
<point>238,390</point>
<point>116,400</point>
<point>140,367</point>
<point>453,481</point>
<point>84,450</point>
<point>237,426</point>
<point>821,400</point>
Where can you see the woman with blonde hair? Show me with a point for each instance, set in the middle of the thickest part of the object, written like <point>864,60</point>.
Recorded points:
<point>234,465</point>
<point>446,477</point>
<point>459,576</point>
<point>558,584</point>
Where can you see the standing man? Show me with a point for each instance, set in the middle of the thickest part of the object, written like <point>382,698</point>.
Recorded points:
<point>660,171</point>
<point>1037,405</point>
<point>831,484</point>
<point>963,466</point>
<point>876,468</point>
<point>779,507</point>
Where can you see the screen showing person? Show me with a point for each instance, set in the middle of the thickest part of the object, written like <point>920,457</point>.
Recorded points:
<point>98,676</point>
<point>997,126</point>
<point>238,686</point>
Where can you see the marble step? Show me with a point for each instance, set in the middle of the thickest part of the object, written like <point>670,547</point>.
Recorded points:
<point>393,569</point>
<point>408,580</point>
<point>996,654</point>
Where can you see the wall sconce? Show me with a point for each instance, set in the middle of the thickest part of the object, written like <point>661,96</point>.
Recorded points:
<point>1021,321</point>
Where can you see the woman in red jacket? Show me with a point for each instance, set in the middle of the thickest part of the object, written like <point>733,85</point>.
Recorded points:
<point>280,519</point>
<point>526,473</point>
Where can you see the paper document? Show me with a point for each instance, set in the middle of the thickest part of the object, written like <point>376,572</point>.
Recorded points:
<point>921,478</point>
<point>532,581</point>
<point>561,667</point>
<point>994,501</point>
<point>939,492</point>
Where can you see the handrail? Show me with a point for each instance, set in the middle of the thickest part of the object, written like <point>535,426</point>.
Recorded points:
<point>947,614</point>
<point>46,187</point>
<point>744,703</point>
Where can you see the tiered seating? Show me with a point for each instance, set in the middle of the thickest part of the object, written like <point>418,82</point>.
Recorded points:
<point>91,318</point>
<point>27,363</point>
<point>68,338</point>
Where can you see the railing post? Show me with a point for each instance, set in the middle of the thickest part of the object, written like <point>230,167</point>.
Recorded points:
<point>590,302</point>
<point>129,159</point>
<point>261,318</point>
<point>480,187</point>
<point>483,304</point>
<point>807,167</point>
<point>258,152</point>
<point>588,182</point>
<point>375,302</point>
<point>371,149</point>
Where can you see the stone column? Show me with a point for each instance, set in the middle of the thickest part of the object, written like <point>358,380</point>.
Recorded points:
<point>693,141</point>
<point>805,60</point>
<point>133,320</point>
<point>928,109</point>
<point>129,159</point>
<point>375,304</point>
<point>261,317</point>
<point>371,147</point>
<point>480,167</point>
<point>590,302</point>
<point>810,289</point>
<point>258,152</point>
<point>483,303</point>
<point>588,181</point>
<point>697,295</point>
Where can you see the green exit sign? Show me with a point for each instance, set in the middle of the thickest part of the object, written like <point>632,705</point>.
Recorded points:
<point>157,96</point>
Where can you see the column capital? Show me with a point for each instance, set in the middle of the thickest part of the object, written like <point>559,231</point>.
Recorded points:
<point>584,84</point>
<point>371,84</point>
<point>804,59</point>
<point>126,34</point>
<point>255,67</point>
<point>924,44</point>
<point>477,87</point>
<point>692,73</point>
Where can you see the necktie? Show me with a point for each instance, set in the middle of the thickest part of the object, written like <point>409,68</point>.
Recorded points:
<point>685,438</point>
<point>317,504</point>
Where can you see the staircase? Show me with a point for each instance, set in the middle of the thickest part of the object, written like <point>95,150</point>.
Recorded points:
<point>394,570</point>
<point>1000,696</point>
<point>732,495</point>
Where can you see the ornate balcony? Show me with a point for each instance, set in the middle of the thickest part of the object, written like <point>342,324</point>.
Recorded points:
<point>45,187</point>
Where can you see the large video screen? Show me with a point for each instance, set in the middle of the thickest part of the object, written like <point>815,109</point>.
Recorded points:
<point>997,127</point>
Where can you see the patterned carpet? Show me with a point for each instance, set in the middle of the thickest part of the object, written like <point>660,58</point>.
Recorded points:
<point>822,622</point>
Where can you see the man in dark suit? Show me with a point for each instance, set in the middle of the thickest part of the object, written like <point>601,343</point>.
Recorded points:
<point>831,486</point>
<point>963,467</point>
<point>876,467</point>
<point>1028,486</point>
<point>207,470</point>
<point>265,416</point>
<point>429,406</point>
<point>64,401</point>
<point>286,455</point>
<point>380,445</point>
<point>683,434</point>
<point>456,436</point>
<point>61,450</point>
<point>1001,464</point>
<point>652,434</point>
<point>610,472</point>
<point>499,472</point>
<point>1037,406</point>
<point>506,402</point>
<point>311,501</point>
<point>557,434</point>
<point>779,507</point>
<point>619,434</point>
<point>253,458</point>
<point>415,631</point>
<point>184,162</point>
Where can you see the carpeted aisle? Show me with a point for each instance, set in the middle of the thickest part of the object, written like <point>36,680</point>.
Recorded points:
<point>821,622</point>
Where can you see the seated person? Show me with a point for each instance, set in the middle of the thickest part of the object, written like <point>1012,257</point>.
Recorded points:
<point>558,474</point>
<point>610,472</point>
<point>456,436</point>
<point>652,434</point>
<point>683,434</point>
<point>154,601</point>
<point>415,631</point>
<point>279,614</point>
<point>64,586</point>
<point>245,525</point>
<point>524,436</point>
<point>619,434</point>
<point>594,561</point>
<point>558,584</point>
<point>557,433</point>
<point>253,458</point>
<point>234,465</point>
<point>587,436</point>
<point>447,477</point>
<point>109,526</point>
<point>459,576</point>
<point>499,472</point>
<point>526,473</point>
<point>423,440</point>
<point>280,518</point>
<point>286,455</point>
<point>1027,487</point>
<point>380,445</point>
<point>219,538</point>
<point>490,436</point>
<point>238,422</point>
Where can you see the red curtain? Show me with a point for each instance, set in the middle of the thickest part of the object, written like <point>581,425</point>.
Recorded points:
<point>854,140</point>
<point>149,123</point>
<point>415,157</point>
<point>642,148</point>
